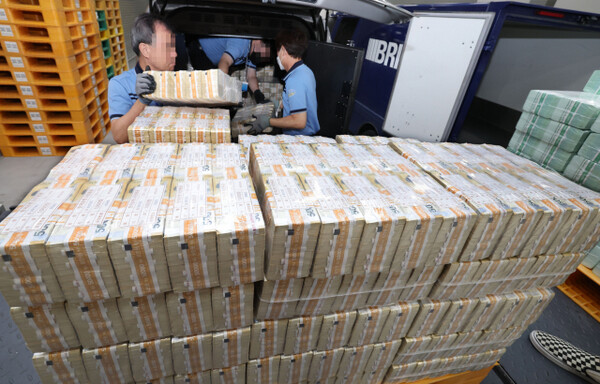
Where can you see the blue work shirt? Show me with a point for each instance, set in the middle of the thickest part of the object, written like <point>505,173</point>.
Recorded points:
<point>238,49</point>
<point>121,93</point>
<point>300,95</point>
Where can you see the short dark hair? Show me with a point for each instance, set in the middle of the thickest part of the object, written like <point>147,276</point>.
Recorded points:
<point>143,29</point>
<point>294,41</point>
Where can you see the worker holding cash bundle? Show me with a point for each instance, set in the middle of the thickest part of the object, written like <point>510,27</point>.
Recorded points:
<point>223,53</point>
<point>299,94</point>
<point>153,42</point>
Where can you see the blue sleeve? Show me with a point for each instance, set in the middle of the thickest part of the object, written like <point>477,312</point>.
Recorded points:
<point>297,95</point>
<point>238,49</point>
<point>119,100</point>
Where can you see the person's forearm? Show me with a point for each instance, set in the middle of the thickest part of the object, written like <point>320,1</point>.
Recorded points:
<point>253,83</point>
<point>295,121</point>
<point>120,125</point>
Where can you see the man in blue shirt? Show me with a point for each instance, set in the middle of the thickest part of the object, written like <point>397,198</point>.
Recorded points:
<point>153,42</point>
<point>223,53</point>
<point>299,93</point>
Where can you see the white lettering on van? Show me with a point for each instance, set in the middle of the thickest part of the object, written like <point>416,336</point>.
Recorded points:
<point>384,52</point>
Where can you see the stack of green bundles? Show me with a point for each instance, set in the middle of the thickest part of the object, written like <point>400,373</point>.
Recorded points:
<point>553,126</point>
<point>592,260</point>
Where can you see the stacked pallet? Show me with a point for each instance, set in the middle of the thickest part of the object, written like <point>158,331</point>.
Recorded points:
<point>287,263</point>
<point>180,125</point>
<point>112,37</point>
<point>52,76</point>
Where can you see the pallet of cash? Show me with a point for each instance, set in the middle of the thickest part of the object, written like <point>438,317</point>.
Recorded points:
<point>180,125</point>
<point>511,198</point>
<point>584,168</point>
<point>212,87</point>
<point>577,109</point>
<point>27,277</point>
<point>247,140</point>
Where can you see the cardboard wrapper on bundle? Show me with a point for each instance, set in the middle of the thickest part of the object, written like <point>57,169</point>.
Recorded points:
<point>547,155</point>
<point>151,359</point>
<point>267,338</point>
<point>78,163</point>
<point>212,87</point>
<point>294,368</point>
<point>476,279</point>
<point>369,325</point>
<point>26,277</point>
<point>193,378</point>
<point>353,364</point>
<point>192,354</point>
<point>365,140</point>
<point>231,375</point>
<point>380,360</point>
<point>577,109</point>
<point>264,370</point>
<point>593,84</point>
<point>180,125</point>
<point>97,323</point>
<point>157,161</point>
<point>336,330</point>
<point>399,321</point>
<point>229,157</point>
<point>240,229</point>
<point>190,313</point>
<point>135,241</point>
<point>232,307</point>
<point>440,367</point>
<point>585,172</point>
<point>302,334</point>
<point>190,235</point>
<point>60,367</point>
<point>195,160</point>
<point>591,148</point>
<point>107,364</point>
<point>77,247</point>
<point>277,299</point>
<point>118,164</point>
<point>318,296</point>
<point>292,228</point>
<point>230,348</point>
<point>145,317</point>
<point>45,328</point>
<point>562,136</point>
<point>324,365</point>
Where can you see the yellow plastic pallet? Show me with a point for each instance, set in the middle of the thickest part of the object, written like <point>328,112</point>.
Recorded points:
<point>583,287</point>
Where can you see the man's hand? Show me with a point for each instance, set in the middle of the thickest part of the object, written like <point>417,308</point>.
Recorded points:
<point>144,84</point>
<point>260,124</point>
<point>259,97</point>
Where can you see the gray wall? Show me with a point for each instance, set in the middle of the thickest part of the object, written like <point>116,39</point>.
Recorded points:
<point>527,58</point>
<point>129,11</point>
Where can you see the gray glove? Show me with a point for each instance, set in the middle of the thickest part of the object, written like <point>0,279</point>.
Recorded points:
<point>260,124</point>
<point>144,84</point>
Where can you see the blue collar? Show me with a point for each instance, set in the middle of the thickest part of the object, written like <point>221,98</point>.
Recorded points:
<point>138,69</point>
<point>296,65</point>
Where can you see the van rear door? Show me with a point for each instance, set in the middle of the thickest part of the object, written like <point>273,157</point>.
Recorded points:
<point>438,60</point>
